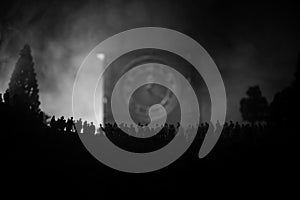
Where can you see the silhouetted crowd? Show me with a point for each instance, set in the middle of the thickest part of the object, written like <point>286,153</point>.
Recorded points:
<point>142,138</point>
<point>233,131</point>
<point>230,129</point>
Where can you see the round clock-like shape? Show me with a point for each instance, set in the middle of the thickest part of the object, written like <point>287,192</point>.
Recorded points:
<point>147,95</point>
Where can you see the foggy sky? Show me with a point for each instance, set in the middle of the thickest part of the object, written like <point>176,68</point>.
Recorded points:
<point>251,43</point>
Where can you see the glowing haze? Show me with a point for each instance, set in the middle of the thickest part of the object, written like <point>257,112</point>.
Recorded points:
<point>245,47</point>
<point>59,46</point>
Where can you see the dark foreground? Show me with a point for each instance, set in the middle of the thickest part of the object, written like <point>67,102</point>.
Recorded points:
<point>41,161</point>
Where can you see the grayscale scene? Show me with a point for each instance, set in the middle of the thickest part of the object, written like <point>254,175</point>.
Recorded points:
<point>137,97</point>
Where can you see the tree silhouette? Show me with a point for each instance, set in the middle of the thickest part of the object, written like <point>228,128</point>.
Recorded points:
<point>23,86</point>
<point>296,75</point>
<point>254,108</point>
<point>285,105</point>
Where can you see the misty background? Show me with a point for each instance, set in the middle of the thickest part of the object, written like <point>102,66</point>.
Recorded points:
<point>251,42</point>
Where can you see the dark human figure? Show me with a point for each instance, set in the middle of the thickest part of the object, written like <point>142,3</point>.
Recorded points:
<point>78,126</point>
<point>61,123</point>
<point>92,129</point>
<point>102,128</point>
<point>53,122</point>
<point>139,132</point>
<point>99,131</point>
<point>70,125</point>
<point>85,127</point>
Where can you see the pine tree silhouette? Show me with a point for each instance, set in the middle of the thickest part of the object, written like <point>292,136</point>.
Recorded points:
<point>23,87</point>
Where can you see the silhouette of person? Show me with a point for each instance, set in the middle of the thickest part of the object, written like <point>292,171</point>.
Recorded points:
<point>102,128</point>
<point>61,123</point>
<point>85,127</point>
<point>92,129</point>
<point>53,122</point>
<point>99,131</point>
<point>69,125</point>
<point>78,125</point>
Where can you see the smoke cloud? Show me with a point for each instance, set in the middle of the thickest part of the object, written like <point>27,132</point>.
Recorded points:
<point>246,48</point>
<point>61,35</point>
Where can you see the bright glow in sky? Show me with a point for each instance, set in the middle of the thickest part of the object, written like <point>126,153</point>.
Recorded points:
<point>101,57</point>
